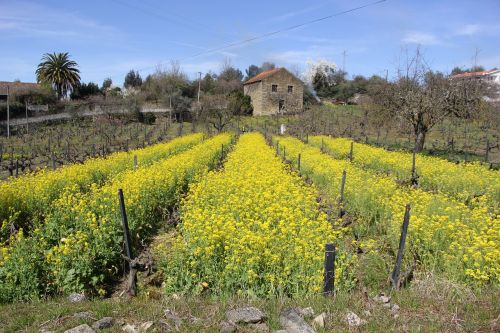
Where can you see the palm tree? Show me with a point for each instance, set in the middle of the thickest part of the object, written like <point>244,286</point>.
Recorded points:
<point>59,71</point>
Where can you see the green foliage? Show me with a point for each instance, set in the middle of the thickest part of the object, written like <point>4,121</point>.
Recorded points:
<point>133,79</point>
<point>83,90</point>
<point>106,84</point>
<point>59,71</point>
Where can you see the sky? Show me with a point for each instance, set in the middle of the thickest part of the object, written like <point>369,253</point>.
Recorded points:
<point>107,38</point>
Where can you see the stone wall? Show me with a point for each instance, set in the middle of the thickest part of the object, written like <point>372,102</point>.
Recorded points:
<point>267,102</point>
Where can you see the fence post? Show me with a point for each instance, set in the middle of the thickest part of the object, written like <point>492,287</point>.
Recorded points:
<point>277,148</point>
<point>17,167</point>
<point>414,178</point>
<point>222,153</point>
<point>351,152</point>
<point>284,153</point>
<point>53,162</point>
<point>298,163</point>
<point>126,232</point>
<point>342,187</point>
<point>329,275</point>
<point>135,162</point>
<point>486,156</point>
<point>402,242</point>
<point>307,137</point>
<point>322,145</point>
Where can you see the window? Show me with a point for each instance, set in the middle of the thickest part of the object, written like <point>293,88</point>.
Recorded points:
<point>290,89</point>
<point>274,88</point>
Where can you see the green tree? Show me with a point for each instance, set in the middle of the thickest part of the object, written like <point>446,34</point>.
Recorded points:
<point>133,79</point>
<point>59,71</point>
<point>83,90</point>
<point>106,84</point>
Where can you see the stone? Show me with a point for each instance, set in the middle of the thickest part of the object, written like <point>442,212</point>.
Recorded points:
<point>171,315</point>
<point>259,327</point>
<point>280,331</point>
<point>165,325</point>
<point>227,327</point>
<point>385,299</point>
<point>129,328</point>
<point>367,313</point>
<point>395,308</point>
<point>292,322</point>
<point>319,321</point>
<point>353,319</point>
<point>102,323</point>
<point>386,305</point>
<point>77,297</point>
<point>80,329</point>
<point>144,327</point>
<point>245,315</point>
<point>83,315</point>
<point>306,312</point>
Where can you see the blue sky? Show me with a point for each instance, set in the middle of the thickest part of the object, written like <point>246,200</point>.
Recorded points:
<point>109,37</point>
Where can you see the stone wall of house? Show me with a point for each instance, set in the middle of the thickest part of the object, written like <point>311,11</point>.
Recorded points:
<point>254,90</point>
<point>267,102</point>
<point>292,102</point>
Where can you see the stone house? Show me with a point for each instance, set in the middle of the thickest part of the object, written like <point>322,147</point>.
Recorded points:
<point>275,91</point>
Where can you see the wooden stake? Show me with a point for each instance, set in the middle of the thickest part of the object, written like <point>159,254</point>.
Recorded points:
<point>329,275</point>
<point>126,231</point>
<point>402,242</point>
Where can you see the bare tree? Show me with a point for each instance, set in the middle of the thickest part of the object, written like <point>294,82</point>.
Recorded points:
<point>422,98</point>
<point>214,110</point>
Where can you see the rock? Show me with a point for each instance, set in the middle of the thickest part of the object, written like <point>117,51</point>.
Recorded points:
<point>245,315</point>
<point>306,312</point>
<point>381,298</point>
<point>319,321</point>
<point>77,297</point>
<point>353,320</point>
<point>83,315</point>
<point>386,305</point>
<point>367,313</point>
<point>165,325</point>
<point>227,327</point>
<point>171,315</point>
<point>129,328</point>
<point>292,322</point>
<point>80,329</point>
<point>259,327</point>
<point>102,323</point>
<point>280,331</point>
<point>144,327</point>
<point>395,308</point>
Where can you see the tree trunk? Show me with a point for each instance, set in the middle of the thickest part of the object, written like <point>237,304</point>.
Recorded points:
<point>420,140</point>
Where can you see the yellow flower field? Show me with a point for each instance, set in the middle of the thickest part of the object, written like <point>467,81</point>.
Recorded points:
<point>29,196</point>
<point>253,228</point>
<point>462,181</point>
<point>444,233</point>
<point>78,246</point>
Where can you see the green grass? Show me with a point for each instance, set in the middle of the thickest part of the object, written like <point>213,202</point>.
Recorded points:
<point>429,305</point>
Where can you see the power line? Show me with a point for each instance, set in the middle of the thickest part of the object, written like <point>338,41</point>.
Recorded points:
<point>272,33</point>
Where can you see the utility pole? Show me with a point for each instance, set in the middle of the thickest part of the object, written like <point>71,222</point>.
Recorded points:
<point>386,73</point>
<point>26,103</point>
<point>8,113</point>
<point>199,88</point>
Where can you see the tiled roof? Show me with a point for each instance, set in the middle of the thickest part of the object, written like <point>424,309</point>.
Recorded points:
<point>17,87</point>
<point>261,76</point>
<point>474,74</point>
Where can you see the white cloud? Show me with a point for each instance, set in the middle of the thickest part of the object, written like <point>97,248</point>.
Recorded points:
<point>469,29</point>
<point>28,19</point>
<point>417,37</point>
<point>476,29</point>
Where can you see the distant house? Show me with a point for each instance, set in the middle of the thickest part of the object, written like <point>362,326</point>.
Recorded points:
<point>275,91</point>
<point>489,76</point>
<point>18,88</point>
